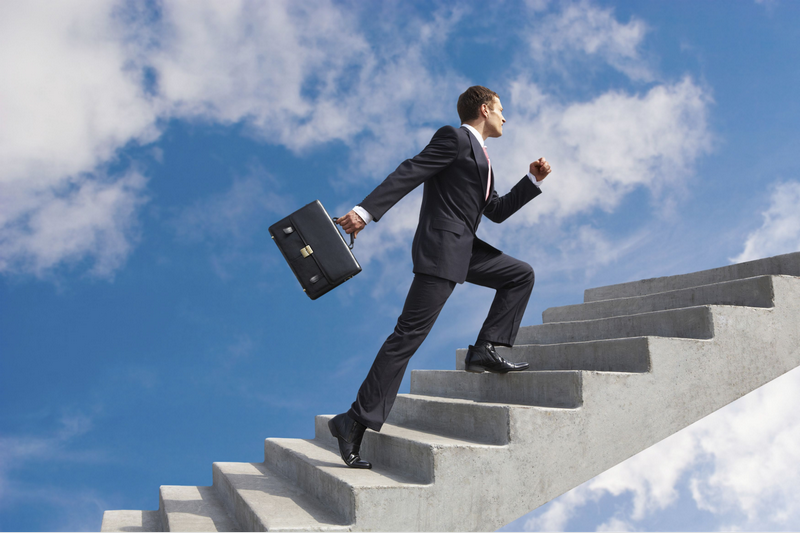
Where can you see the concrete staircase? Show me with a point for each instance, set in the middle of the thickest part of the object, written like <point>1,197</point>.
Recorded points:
<point>610,377</point>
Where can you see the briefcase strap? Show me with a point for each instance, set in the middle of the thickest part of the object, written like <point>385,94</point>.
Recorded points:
<point>352,235</point>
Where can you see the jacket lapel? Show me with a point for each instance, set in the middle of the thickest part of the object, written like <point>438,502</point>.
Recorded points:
<point>480,159</point>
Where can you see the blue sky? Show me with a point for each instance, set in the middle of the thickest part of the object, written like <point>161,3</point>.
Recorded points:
<point>149,327</point>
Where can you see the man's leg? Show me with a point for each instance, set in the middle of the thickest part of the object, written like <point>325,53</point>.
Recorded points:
<point>375,398</point>
<point>513,281</point>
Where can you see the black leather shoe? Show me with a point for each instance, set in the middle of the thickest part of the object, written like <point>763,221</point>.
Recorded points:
<point>349,433</point>
<point>484,358</point>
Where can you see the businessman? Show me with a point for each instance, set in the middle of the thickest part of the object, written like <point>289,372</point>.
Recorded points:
<point>455,170</point>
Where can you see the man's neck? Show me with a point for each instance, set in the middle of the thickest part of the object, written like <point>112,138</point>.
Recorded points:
<point>477,126</point>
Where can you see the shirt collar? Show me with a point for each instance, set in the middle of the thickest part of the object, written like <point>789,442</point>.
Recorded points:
<point>475,133</point>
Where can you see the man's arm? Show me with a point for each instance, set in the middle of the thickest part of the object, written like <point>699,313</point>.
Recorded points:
<point>437,155</point>
<point>502,207</point>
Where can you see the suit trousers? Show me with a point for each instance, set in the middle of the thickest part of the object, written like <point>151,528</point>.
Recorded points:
<point>511,278</point>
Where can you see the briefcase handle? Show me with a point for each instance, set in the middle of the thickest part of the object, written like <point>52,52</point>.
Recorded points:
<point>352,235</point>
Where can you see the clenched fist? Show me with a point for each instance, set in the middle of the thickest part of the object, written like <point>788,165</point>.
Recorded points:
<point>540,169</point>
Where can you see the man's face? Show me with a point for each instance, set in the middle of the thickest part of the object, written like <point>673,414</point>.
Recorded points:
<point>494,120</point>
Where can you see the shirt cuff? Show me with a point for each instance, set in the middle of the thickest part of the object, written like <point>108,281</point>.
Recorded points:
<point>365,216</point>
<point>535,182</point>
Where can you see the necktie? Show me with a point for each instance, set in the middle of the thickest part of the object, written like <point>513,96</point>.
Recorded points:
<point>489,177</point>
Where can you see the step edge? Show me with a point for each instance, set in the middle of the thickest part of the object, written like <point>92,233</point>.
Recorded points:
<point>598,303</point>
<point>782,262</point>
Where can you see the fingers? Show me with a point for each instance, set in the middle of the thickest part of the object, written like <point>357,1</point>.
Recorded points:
<point>543,164</point>
<point>540,169</point>
<point>350,223</point>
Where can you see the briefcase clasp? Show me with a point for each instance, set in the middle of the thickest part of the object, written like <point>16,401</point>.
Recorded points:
<point>305,252</point>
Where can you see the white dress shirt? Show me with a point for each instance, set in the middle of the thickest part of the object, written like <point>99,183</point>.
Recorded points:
<point>367,218</point>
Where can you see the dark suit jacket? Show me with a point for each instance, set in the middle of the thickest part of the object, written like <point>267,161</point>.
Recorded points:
<point>454,170</point>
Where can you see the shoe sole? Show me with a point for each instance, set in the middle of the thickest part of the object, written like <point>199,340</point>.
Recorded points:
<point>482,369</point>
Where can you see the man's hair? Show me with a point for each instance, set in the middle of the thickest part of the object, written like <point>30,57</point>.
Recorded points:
<point>471,100</point>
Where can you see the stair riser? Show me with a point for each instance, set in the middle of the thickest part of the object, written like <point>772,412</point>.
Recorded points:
<point>485,424</point>
<point>131,521</point>
<point>236,506</point>
<point>331,492</point>
<point>162,512</point>
<point>186,508</point>
<point>414,459</point>
<point>786,265</point>
<point>690,323</point>
<point>753,292</point>
<point>614,355</point>
<point>544,389</point>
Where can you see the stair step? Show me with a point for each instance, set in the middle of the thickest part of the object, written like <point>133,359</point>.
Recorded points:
<point>786,265</point>
<point>689,322</point>
<point>400,449</point>
<point>319,471</point>
<point>613,355</point>
<point>131,521</point>
<point>544,389</point>
<point>262,500</point>
<point>480,423</point>
<point>193,509</point>
<point>750,292</point>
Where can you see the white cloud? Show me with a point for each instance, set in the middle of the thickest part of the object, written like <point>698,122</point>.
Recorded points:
<point>780,231</point>
<point>68,103</point>
<point>754,451</point>
<point>298,76</point>
<point>582,30</point>
<point>558,512</point>
<point>602,149</point>
<point>268,62</point>
<point>77,88</point>
<point>741,464</point>
<point>304,74</point>
<point>91,215</point>
<point>615,524</point>
<point>66,98</point>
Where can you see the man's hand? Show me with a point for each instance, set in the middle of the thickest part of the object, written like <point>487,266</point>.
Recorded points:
<point>540,169</point>
<point>351,222</point>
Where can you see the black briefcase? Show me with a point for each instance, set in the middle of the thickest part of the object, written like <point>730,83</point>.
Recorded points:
<point>315,249</point>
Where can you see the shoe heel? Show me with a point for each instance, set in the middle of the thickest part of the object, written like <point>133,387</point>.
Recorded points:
<point>332,428</point>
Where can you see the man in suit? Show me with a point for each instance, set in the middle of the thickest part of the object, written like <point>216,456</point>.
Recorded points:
<point>455,170</point>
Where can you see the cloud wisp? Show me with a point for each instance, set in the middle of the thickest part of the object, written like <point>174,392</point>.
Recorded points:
<point>580,33</point>
<point>780,231</point>
<point>18,451</point>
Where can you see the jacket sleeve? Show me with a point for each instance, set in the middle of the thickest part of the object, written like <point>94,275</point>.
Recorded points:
<point>440,152</point>
<point>500,208</point>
